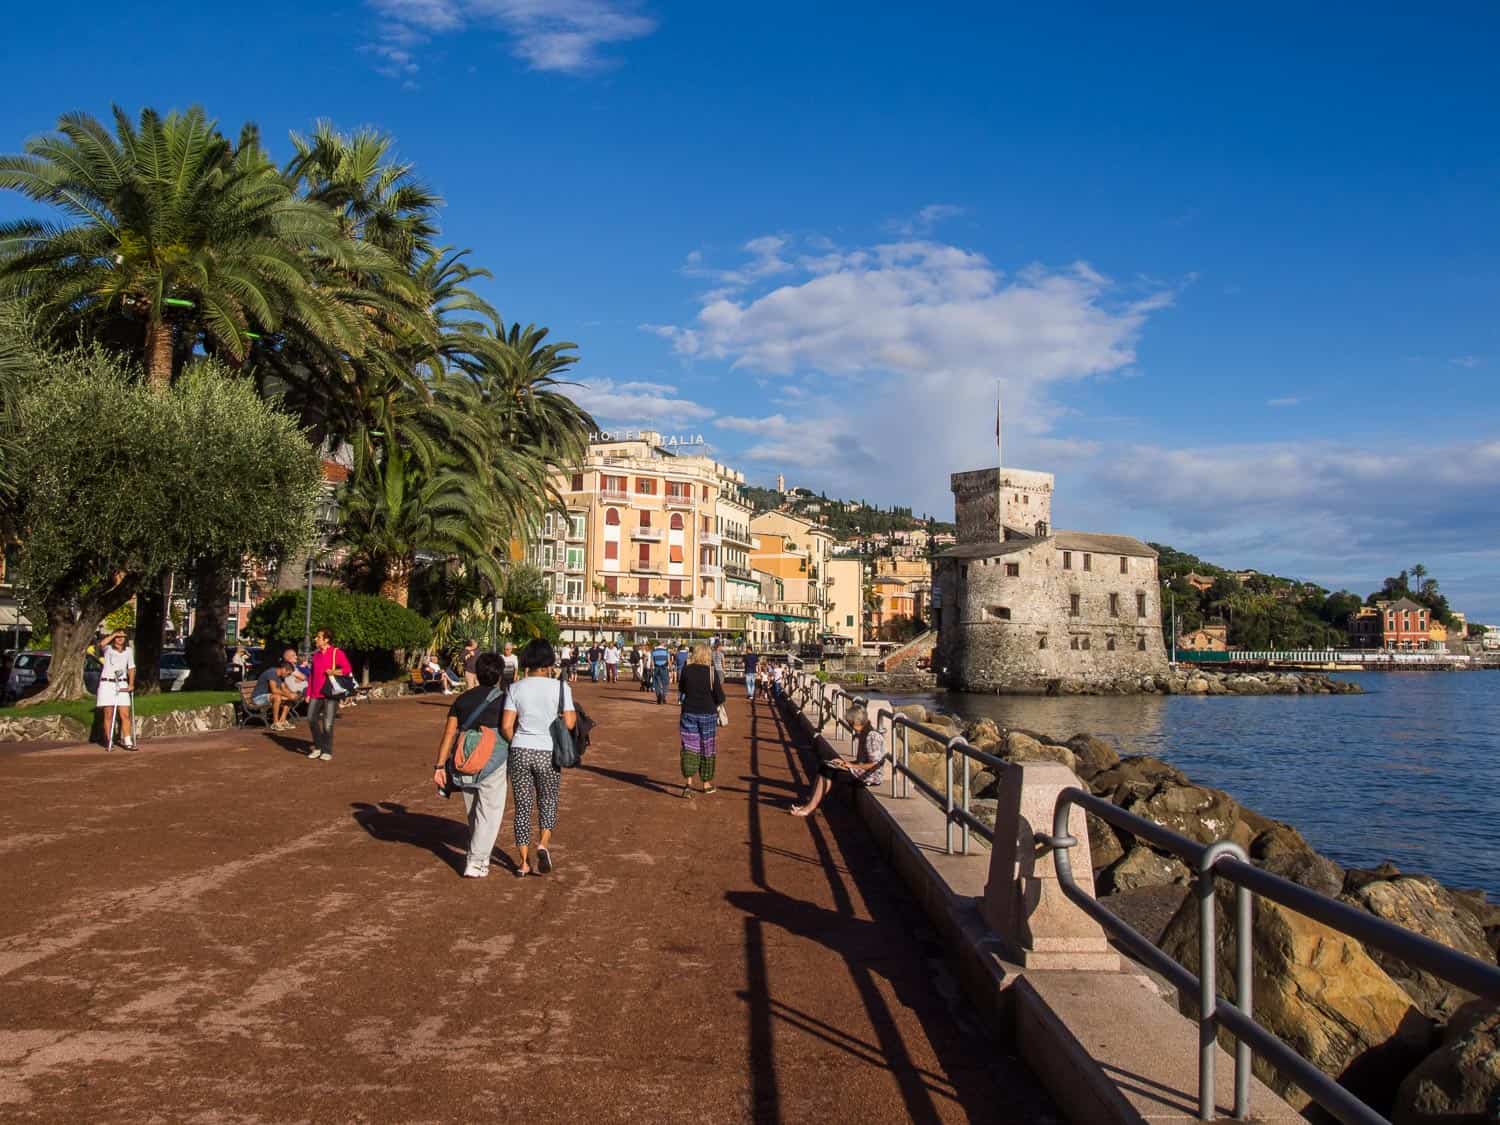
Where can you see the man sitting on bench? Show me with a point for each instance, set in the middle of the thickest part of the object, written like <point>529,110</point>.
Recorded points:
<point>271,688</point>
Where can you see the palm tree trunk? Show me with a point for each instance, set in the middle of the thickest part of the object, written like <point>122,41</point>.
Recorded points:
<point>159,354</point>
<point>396,585</point>
<point>205,648</point>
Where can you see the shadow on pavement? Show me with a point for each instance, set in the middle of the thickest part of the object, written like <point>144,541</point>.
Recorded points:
<point>447,839</point>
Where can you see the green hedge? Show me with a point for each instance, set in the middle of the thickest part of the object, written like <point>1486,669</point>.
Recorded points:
<point>359,622</point>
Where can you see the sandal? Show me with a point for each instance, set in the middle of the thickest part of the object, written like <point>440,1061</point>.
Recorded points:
<point>543,861</point>
<point>687,791</point>
<point>707,789</point>
<point>522,872</point>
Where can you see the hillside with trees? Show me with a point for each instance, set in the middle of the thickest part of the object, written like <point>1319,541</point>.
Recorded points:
<point>1268,611</point>
<point>847,519</point>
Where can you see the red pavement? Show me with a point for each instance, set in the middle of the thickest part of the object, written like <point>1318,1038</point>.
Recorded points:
<point>218,929</point>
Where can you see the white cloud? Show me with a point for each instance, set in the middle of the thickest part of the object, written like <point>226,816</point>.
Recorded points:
<point>1469,361</point>
<point>638,403</point>
<point>558,35</point>
<point>899,348</point>
<point>1285,400</point>
<point>926,219</point>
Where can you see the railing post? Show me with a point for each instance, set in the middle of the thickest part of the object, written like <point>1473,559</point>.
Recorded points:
<point>948,794</point>
<point>964,828</point>
<point>1208,991</point>
<point>906,761</point>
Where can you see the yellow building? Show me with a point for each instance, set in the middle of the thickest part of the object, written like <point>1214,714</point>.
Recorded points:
<point>797,551</point>
<point>639,551</point>
<point>846,599</point>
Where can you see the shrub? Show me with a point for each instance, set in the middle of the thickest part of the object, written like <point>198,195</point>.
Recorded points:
<point>360,623</point>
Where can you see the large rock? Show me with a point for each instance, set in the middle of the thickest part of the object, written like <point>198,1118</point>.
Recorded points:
<point>1142,867</point>
<point>1104,844</point>
<point>1023,748</point>
<point>1282,851</point>
<point>1092,754</point>
<point>982,730</point>
<point>913,711</point>
<point>1460,1081</point>
<point>1422,904</point>
<point>1199,813</point>
<point>1318,991</point>
<point>1134,776</point>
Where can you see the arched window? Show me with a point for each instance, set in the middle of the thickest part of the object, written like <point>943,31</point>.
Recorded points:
<point>676,521</point>
<point>612,517</point>
<point>1041,529</point>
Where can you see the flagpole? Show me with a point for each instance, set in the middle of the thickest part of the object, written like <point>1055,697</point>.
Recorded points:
<point>999,451</point>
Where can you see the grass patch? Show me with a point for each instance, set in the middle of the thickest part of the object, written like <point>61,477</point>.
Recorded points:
<point>159,704</point>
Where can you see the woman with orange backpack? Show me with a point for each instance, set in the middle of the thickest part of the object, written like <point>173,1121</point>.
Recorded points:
<point>472,758</point>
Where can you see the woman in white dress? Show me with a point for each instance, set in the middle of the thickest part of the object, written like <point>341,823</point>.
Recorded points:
<point>117,689</point>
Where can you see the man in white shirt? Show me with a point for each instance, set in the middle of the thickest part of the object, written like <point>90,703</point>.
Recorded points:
<point>611,662</point>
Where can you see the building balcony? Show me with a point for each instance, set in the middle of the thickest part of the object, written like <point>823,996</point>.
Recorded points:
<point>573,568</point>
<point>741,572</point>
<point>648,534</point>
<point>614,496</point>
<point>711,570</point>
<point>680,502</point>
<point>647,567</point>
<point>710,539</point>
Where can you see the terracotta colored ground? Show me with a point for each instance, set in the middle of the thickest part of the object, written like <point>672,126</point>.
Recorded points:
<point>218,929</point>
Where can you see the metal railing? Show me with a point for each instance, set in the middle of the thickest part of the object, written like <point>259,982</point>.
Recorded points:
<point>1228,861</point>
<point>955,798</point>
<point>1221,858</point>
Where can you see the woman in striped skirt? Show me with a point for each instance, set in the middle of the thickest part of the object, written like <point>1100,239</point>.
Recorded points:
<point>702,696</point>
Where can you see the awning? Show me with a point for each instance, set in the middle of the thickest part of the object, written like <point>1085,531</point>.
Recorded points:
<point>784,618</point>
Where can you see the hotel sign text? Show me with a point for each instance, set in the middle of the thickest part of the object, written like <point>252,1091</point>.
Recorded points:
<point>665,440</point>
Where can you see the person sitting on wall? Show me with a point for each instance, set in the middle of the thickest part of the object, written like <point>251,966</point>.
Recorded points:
<point>868,768</point>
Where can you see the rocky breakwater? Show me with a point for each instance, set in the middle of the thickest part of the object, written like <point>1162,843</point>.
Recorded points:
<point>1413,1046</point>
<point>1204,681</point>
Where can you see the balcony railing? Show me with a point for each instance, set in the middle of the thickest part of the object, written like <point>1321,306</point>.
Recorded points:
<point>649,534</point>
<point>647,567</point>
<point>679,501</point>
<point>614,495</point>
<point>711,570</point>
<point>733,571</point>
<point>710,538</point>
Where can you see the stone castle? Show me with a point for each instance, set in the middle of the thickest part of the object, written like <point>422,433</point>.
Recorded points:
<point>1020,607</point>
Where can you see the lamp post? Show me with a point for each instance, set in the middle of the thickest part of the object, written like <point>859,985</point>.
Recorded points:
<point>1171,593</point>
<point>325,518</point>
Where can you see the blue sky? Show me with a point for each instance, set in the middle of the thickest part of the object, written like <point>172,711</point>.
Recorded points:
<point>1236,268</point>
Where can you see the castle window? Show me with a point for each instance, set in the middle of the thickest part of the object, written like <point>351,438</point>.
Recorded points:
<point>963,572</point>
<point>1140,644</point>
<point>1124,564</point>
<point>1114,605</point>
<point>1041,640</point>
<point>1012,570</point>
<point>1041,529</point>
<point>1074,604</point>
<point>1109,644</point>
<point>1088,562</point>
<point>1083,643</point>
<point>1140,605</point>
<point>1000,612</point>
<point>1026,499</point>
<point>1067,560</point>
<point>1073,643</point>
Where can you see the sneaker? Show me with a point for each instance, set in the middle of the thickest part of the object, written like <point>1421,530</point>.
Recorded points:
<point>326,756</point>
<point>476,873</point>
<point>314,752</point>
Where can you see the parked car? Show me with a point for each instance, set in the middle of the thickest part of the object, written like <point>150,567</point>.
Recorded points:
<point>28,674</point>
<point>173,669</point>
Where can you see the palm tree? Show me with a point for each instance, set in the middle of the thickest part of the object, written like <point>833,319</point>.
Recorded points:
<point>177,237</point>
<point>1418,572</point>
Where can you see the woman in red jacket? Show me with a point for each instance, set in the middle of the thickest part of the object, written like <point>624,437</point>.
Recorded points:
<point>323,705</point>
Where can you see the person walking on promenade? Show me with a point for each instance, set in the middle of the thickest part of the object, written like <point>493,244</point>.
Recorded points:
<point>484,797</point>
<point>661,663</point>
<point>323,704</point>
<point>471,654</point>
<point>702,695</point>
<point>510,665</point>
<point>751,660</point>
<point>611,662</point>
<point>681,660</point>
<point>869,763</point>
<point>117,688</point>
<point>531,707</point>
<point>719,666</point>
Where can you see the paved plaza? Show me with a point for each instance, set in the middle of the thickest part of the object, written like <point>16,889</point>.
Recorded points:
<point>218,929</point>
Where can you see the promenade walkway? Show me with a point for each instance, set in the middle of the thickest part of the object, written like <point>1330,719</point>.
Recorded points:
<point>217,929</point>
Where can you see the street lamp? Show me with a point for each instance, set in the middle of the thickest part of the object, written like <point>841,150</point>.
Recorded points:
<point>325,517</point>
<point>1167,583</point>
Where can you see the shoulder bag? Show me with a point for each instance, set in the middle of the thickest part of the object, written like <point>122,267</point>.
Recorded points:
<point>479,751</point>
<point>723,711</point>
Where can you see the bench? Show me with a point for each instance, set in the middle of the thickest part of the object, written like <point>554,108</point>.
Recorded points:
<point>419,684</point>
<point>249,709</point>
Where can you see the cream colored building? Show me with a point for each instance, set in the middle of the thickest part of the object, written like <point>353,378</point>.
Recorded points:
<point>846,600</point>
<point>640,551</point>
<point>796,550</point>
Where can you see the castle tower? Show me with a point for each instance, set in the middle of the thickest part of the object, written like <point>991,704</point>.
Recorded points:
<point>991,505</point>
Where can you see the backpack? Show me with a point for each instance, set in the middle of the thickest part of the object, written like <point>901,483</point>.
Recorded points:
<point>478,747</point>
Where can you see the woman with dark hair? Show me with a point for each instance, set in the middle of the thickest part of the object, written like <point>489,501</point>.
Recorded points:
<point>323,704</point>
<point>484,794</point>
<point>531,706</point>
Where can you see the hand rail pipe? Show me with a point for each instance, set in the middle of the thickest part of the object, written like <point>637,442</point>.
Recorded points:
<point>1228,861</point>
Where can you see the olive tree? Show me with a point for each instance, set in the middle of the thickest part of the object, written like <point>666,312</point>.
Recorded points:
<point>115,482</point>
